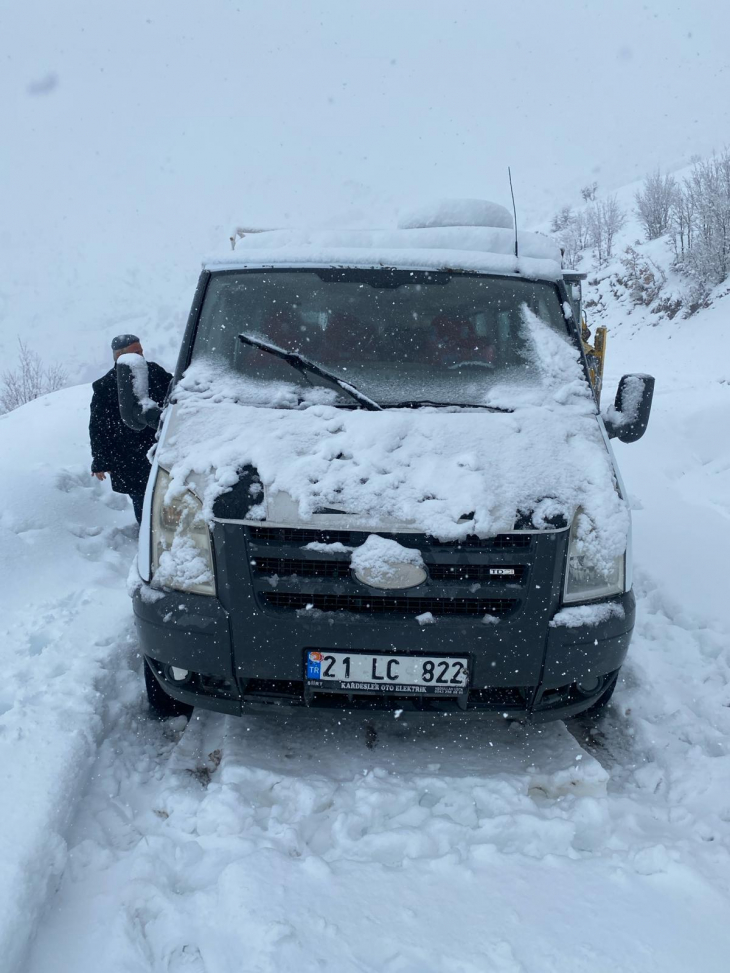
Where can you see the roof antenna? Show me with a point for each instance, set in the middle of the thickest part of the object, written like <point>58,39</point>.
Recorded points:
<point>514,210</point>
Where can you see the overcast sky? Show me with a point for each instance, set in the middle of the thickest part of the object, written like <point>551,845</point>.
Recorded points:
<point>132,125</point>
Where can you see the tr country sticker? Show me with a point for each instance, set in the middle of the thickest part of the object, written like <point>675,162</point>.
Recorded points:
<point>314,665</point>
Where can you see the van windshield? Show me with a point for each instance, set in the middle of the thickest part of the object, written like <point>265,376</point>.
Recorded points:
<point>398,336</point>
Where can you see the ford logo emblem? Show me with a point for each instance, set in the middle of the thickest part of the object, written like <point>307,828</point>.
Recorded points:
<point>391,575</point>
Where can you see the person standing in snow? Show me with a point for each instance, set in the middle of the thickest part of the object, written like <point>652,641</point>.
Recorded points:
<point>117,450</point>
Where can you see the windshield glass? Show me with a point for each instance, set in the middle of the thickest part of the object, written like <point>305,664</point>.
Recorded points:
<point>398,336</point>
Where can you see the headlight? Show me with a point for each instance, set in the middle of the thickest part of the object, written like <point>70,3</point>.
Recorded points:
<point>585,582</point>
<point>181,552</point>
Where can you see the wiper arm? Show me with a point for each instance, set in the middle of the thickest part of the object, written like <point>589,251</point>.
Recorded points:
<point>417,403</point>
<point>304,365</point>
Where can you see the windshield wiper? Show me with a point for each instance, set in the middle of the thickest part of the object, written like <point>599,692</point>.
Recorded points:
<point>304,365</point>
<point>417,403</point>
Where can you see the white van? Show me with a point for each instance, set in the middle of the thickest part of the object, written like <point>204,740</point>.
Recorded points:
<point>383,481</point>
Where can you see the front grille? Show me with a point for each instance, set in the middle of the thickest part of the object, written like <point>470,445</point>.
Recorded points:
<point>377,604</point>
<point>293,535</point>
<point>273,689</point>
<point>477,572</point>
<point>335,570</point>
<point>291,692</point>
<point>501,698</point>
<point>502,542</point>
<point>340,570</point>
<point>352,538</point>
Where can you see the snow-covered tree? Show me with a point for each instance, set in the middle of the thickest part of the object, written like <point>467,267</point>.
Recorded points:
<point>706,257</point>
<point>682,217</point>
<point>574,239</point>
<point>643,278</point>
<point>562,219</point>
<point>654,204</point>
<point>29,380</point>
<point>605,218</point>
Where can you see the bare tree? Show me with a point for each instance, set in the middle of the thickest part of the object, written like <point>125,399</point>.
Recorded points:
<point>575,238</point>
<point>29,380</point>
<point>589,192</point>
<point>642,277</point>
<point>682,217</point>
<point>562,219</point>
<point>580,230</point>
<point>701,221</point>
<point>654,204</point>
<point>605,218</point>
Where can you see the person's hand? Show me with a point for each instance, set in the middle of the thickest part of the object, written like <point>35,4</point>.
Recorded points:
<point>99,476</point>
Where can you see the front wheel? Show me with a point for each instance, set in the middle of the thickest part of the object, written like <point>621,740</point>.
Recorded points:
<point>162,706</point>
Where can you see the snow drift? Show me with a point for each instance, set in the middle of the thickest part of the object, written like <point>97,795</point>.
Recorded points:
<point>65,545</point>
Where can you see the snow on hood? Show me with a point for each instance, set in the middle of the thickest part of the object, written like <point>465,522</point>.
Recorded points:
<point>447,473</point>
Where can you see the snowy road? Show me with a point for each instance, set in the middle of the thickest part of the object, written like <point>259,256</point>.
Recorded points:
<point>255,845</point>
<point>262,845</point>
<point>265,846</point>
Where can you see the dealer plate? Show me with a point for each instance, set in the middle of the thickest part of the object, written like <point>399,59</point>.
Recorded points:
<point>359,672</point>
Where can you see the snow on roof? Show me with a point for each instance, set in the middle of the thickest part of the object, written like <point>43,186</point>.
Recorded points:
<point>466,235</point>
<point>457,212</point>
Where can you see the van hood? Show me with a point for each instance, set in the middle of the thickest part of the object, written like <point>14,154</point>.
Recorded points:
<point>445,473</point>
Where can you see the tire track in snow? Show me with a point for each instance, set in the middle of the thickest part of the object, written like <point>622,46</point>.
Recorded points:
<point>287,843</point>
<point>275,843</point>
<point>173,818</point>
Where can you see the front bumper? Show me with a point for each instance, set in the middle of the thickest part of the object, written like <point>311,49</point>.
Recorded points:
<point>537,677</point>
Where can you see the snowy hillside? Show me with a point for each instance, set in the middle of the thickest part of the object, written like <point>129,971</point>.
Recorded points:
<point>265,845</point>
<point>685,455</point>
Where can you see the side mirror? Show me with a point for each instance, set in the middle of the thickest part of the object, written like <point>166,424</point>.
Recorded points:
<point>137,409</point>
<point>628,417</point>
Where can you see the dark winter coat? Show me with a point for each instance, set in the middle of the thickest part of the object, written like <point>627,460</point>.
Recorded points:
<point>115,448</point>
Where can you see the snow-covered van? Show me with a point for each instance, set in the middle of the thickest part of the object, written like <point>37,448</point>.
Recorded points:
<point>383,482</point>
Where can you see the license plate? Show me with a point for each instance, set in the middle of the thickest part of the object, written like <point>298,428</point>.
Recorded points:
<point>358,672</point>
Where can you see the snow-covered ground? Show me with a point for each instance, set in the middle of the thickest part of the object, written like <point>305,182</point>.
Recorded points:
<point>261,845</point>
<point>65,546</point>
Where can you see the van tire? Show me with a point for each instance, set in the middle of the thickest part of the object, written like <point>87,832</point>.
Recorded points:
<point>162,706</point>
